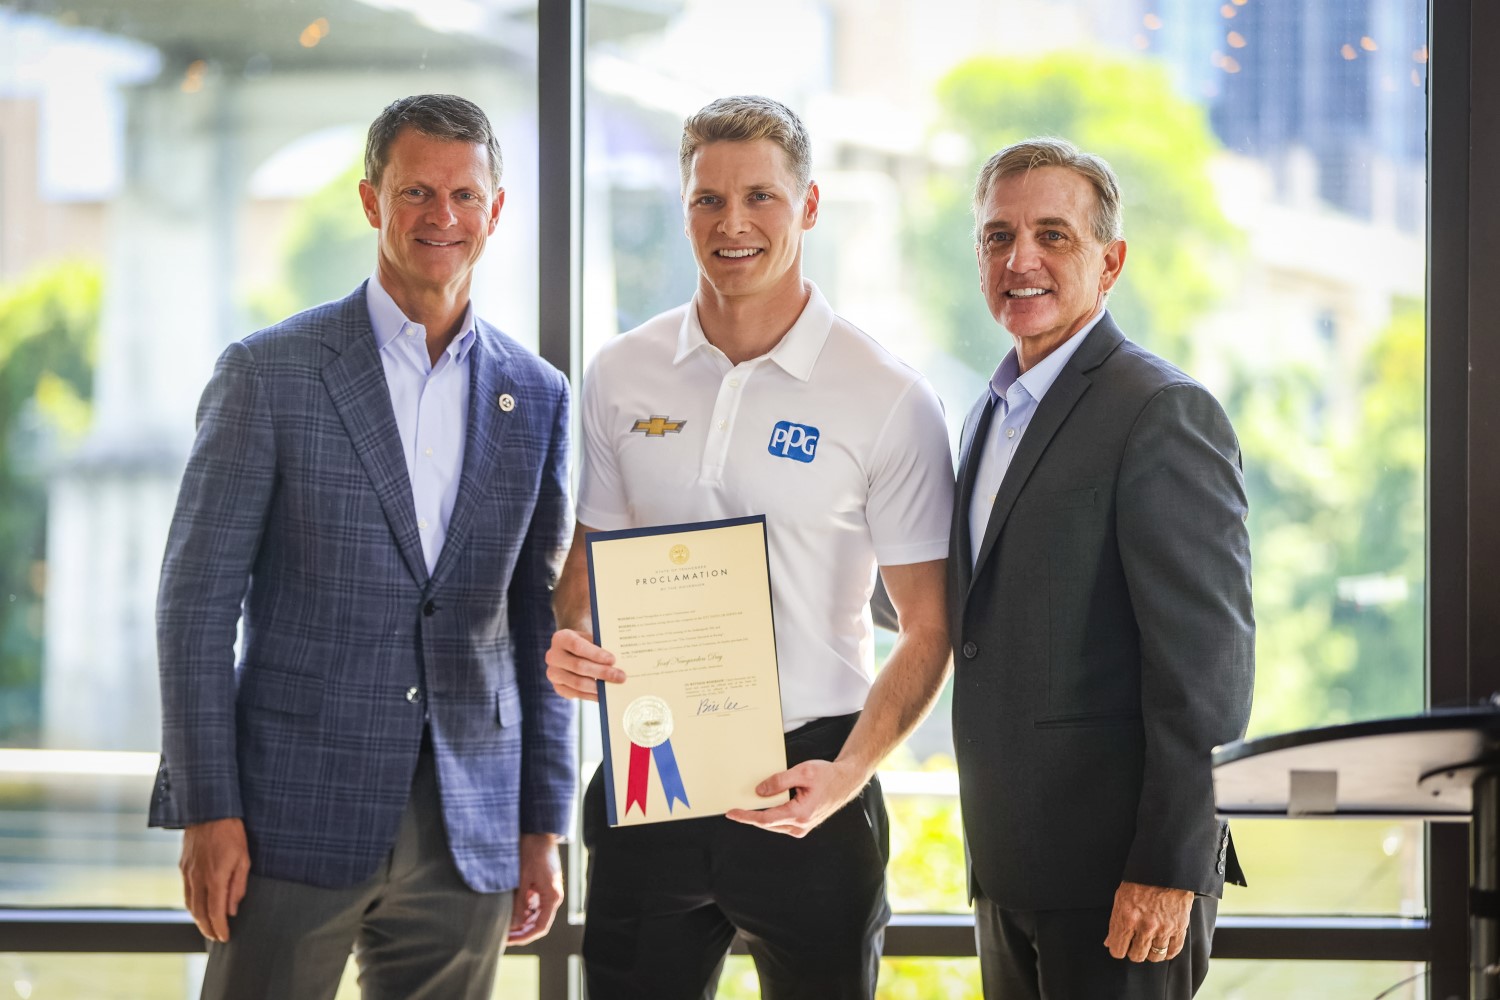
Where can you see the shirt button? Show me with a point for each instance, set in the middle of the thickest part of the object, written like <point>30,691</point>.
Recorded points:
<point>422,524</point>
<point>1010,432</point>
<point>734,383</point>
<point>427,452</point>
<point>723,425</point>
<point>413,695</point>
<point>970,650</point>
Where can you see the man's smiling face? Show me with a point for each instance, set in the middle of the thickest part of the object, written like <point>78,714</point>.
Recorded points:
<point>745,213</point>
<point>1043,272</point>
<point>435,205</point>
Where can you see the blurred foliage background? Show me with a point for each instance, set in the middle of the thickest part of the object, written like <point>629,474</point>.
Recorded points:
<point>49,325</point>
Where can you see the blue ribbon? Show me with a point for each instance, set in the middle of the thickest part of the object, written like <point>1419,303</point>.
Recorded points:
<point>671,778</point>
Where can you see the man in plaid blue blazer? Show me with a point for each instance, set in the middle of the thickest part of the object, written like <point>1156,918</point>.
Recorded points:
<point>378,493</point>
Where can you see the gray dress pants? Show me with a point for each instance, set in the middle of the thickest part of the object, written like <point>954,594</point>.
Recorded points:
<point>417,931</point>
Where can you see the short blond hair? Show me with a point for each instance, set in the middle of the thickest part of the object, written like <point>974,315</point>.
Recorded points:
<point>748,118</point>
<point>1048,151</point>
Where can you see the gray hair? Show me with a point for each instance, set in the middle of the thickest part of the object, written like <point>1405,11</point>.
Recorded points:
<point>440,116</point>
<point>1047,151</point>
<point>748,118</point>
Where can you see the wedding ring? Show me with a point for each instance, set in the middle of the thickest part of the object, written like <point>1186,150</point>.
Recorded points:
<point>1158,951</point>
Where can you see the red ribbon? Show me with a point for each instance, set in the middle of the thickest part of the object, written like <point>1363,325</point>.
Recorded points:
<point>635,787</point>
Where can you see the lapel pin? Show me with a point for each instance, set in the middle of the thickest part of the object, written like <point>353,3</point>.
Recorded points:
<point>507,402</point>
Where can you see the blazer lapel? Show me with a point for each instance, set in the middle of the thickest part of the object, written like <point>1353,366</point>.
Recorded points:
<point>488,422</point>
<point>355,380</point>
<point>1072,382</point>
<point>976,426</point>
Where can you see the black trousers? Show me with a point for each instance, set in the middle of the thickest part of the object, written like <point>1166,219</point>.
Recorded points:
<point>665,899</point>
<point>1060,955</point>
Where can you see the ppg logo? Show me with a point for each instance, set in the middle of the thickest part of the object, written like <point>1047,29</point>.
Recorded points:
<point>795,441</point>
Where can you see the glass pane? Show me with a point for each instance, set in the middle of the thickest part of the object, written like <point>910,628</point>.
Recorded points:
<point>168,977</point>
<point>1246,980</point>
<point>517,977</point>
<point>100,977</point>
<point>125,977</point>
<point>174,177</point>
<point>926,873</point>
<point>900,979</point>
<point>1328,867</point>
<point>1272,160</point>
<point>920,979</point>
<point>80,839</point>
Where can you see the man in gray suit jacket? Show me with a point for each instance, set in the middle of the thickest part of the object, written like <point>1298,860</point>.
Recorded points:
<point>1099,592</point>
<point>378,493</point>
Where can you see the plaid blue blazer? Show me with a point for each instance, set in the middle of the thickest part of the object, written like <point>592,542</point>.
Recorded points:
<point>296,517</point>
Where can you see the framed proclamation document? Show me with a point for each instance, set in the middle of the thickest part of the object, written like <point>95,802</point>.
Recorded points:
<point>686,610</point>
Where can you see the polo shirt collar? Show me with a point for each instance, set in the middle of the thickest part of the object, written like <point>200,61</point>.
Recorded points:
<point>387,320</point>
<point>796,353</point>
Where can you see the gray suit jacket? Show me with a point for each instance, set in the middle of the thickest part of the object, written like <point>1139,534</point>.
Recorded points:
<point>296,515</point>
<point>1104,642</point>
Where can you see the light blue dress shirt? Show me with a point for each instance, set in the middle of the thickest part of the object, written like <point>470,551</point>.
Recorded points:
<point>1015,397</point>
<point>431,402</point>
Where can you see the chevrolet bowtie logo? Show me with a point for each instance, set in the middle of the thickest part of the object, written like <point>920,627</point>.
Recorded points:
<point>658,426</point>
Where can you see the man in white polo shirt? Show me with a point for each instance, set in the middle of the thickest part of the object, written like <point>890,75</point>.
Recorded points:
<point>754,398</point>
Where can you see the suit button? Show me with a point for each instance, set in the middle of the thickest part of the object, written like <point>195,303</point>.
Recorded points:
<point>430,608</point>
<point>413,695</point>
<point>970,650</point>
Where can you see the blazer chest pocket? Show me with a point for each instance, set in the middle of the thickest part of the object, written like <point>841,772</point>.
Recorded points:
<point>1056,532</point>
<point>281,691</point>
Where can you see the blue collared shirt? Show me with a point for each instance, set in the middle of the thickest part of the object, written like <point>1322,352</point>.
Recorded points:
<point>431,402</point>
<point>1015,397</point>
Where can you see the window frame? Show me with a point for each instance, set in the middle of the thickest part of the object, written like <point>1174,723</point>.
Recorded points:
<point>1463,483</point>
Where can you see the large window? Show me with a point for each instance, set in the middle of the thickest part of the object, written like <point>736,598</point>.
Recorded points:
<point>1272,156</point>
<point>174,175</point>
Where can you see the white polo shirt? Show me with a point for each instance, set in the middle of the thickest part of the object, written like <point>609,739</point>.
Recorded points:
<point>840,445</point>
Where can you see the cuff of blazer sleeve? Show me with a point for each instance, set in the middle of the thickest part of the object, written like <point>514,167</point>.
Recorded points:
<point>176,804</point>
<point>170,811</point>
<point>1196,862</point>
<point>555,818</point>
